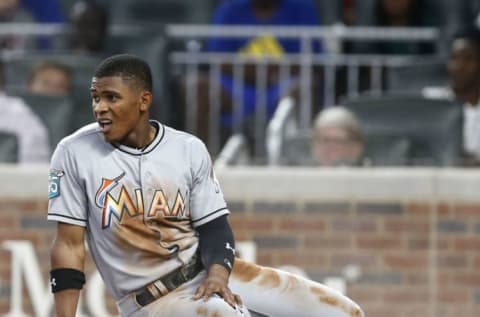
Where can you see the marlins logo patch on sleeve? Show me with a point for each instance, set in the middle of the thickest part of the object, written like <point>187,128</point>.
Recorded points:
<point>54,183</point>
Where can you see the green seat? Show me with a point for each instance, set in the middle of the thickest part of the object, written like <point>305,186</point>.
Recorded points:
<point>380,150</point>
<point>433,127</point>
<point>386,150</point>
<point>416,76</point>
<point>8,148</point>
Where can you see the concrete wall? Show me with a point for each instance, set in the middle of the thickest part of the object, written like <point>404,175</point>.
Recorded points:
<point>414,233</point>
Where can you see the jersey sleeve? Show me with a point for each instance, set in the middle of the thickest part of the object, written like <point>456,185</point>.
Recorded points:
<point>66,195</point>
<point>206,197</point>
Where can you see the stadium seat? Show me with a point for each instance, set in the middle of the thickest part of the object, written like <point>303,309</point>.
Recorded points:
<point>386,150</point>
<point>297,149</point>
<point>433,127</point>
<point>380,150</point>
<point>55,112</point>
<point>412,78</point>
<point>8,148</point>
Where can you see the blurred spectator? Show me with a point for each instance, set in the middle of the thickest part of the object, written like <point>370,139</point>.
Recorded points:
<point>403,13</point>
<point>464,73</point>
<point>260,13</point>
<point>348,14</point>
<point>18,119</point>
<point>263,13</point>
<point>337,138</point>
<point>44,11</point>
<point>51,78</point>
<point>89,21</point>
<point>11,11</point>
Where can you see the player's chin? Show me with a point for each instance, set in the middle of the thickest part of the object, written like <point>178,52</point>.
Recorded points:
<point>110,137</point>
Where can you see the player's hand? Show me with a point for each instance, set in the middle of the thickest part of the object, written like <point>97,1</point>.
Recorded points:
<point>217,283</point>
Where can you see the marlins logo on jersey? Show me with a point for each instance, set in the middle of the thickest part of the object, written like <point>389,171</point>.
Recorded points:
<point>117,207</point>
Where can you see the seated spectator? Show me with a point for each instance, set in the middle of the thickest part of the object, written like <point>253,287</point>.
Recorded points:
<point>89,22</point>
<point>45,11</point>
<point>337,138</point>
<point>10,12</point>
<point>260,13</point>
<point>464,73</point>
<point>51,78</point>
<point>403,13</point>
<point>18,119</point>
<point>348,14</point>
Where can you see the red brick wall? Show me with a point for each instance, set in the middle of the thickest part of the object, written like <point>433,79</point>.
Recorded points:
<point>415,256</point>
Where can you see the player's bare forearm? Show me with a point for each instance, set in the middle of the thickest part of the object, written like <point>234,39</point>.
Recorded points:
<point>68,251</point>
<point>66,302</point>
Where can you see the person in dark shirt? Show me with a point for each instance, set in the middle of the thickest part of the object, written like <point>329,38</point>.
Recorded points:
<point>404,13</point>
<point>258,13</point>
<point>89,22</point>
<point>45,11</point>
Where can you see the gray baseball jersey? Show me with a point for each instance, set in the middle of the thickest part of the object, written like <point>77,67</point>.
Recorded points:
<point>140,207</point>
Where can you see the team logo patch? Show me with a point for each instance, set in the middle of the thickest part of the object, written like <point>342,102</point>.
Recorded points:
<point>54,183</point>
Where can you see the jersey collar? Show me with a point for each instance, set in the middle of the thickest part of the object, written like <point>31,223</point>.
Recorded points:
<point>149,148</point>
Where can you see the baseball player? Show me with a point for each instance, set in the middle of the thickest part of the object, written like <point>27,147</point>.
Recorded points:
<point>146,199</point>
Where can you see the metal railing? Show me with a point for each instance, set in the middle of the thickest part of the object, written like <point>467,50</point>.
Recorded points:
<point>196,62</point>
<point>307,64</point>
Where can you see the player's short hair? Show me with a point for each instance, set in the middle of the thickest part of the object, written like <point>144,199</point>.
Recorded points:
<point>128,67</point>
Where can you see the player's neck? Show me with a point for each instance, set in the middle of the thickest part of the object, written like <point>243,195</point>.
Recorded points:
<point>141,138</point>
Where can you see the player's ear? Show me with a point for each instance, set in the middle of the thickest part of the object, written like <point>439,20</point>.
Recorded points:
<point>145,100</point>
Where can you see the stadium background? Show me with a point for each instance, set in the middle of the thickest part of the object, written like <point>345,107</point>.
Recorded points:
<point>400,240</point>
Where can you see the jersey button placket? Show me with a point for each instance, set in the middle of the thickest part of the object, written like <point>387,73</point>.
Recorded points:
<point>145,186</point>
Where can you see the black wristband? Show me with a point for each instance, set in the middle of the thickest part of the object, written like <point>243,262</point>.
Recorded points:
<point>61,279</point>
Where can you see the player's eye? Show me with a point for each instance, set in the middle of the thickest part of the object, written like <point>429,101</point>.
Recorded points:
<point>112,98</point>
<point>96,99</point>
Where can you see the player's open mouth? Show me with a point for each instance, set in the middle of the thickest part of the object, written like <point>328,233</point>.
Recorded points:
<point>105,125</point>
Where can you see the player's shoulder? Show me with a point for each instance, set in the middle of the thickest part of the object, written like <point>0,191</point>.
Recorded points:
<point>182,139</point>
<point>178,135</point>
<point>88,134</point>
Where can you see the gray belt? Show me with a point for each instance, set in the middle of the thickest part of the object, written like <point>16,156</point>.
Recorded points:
<point>169,282</point>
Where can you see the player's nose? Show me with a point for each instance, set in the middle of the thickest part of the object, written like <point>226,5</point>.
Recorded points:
<point>100,107</point>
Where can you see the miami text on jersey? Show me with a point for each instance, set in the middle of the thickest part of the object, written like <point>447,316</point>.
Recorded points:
<point>124,204</point>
